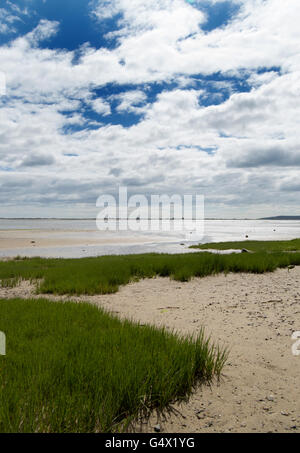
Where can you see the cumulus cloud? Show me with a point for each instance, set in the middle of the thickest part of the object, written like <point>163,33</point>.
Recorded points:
<point>45,30</point>
<point>130,101</point>
<point>243,148</point>
<point>101,107</point>
<point>277,154</point>
<point>37,160</point>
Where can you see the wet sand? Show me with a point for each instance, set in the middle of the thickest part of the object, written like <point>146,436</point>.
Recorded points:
<point>47,243</point>
<point>18,239</point>
<point>253,315</point>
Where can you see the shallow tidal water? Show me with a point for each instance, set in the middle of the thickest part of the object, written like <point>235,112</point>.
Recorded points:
<point>88,241</point>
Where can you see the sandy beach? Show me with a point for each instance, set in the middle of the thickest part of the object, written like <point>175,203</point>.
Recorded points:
<point>20,239</point>
<point>253,315</point>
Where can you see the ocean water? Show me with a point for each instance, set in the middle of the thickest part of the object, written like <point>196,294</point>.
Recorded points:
<point>141,242</point>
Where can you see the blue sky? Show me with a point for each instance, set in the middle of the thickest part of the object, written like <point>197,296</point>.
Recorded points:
<point>166,96</point>
<point>78,26</point>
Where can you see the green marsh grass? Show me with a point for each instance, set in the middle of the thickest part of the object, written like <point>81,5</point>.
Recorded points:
<point>75,368</point>
<point>105,274</point>
<point>255,246</point>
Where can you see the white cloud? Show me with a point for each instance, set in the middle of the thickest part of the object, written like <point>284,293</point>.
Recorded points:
<point>44,30</point>
<point>101,107</point>
<point>7,20</point>
<point>131,101</point>
<point>10,15</point>
<point>252,137</point>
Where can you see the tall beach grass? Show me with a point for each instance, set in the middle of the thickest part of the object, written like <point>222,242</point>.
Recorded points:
<point>105,274</point>
<point>74,368</point>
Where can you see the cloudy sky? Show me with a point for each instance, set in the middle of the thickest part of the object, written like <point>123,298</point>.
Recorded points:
<point>161,96</point>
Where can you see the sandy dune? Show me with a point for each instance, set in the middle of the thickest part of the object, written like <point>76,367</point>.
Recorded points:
<point>253,315</point>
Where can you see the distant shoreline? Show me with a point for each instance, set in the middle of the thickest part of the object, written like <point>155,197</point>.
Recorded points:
<point>282,217</point>
<point>147,218</point>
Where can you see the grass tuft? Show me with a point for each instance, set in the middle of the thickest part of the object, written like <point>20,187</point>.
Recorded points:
<point>74,368</point>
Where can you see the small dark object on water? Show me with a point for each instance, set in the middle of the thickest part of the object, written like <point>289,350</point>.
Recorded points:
<point>246,236</point>
<point>245,251</point>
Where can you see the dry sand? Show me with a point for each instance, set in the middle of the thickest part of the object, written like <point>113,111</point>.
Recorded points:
<point>253,315</point>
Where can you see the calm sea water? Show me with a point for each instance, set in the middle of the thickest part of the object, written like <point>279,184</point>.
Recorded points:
<point>168,242</point>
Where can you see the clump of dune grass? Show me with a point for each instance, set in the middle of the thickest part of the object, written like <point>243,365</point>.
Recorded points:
<point>102,275</point>
<point>74,368</point>
<point>9,282</point>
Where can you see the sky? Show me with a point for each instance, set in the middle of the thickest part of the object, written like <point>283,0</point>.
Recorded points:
<point>160,96</point>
